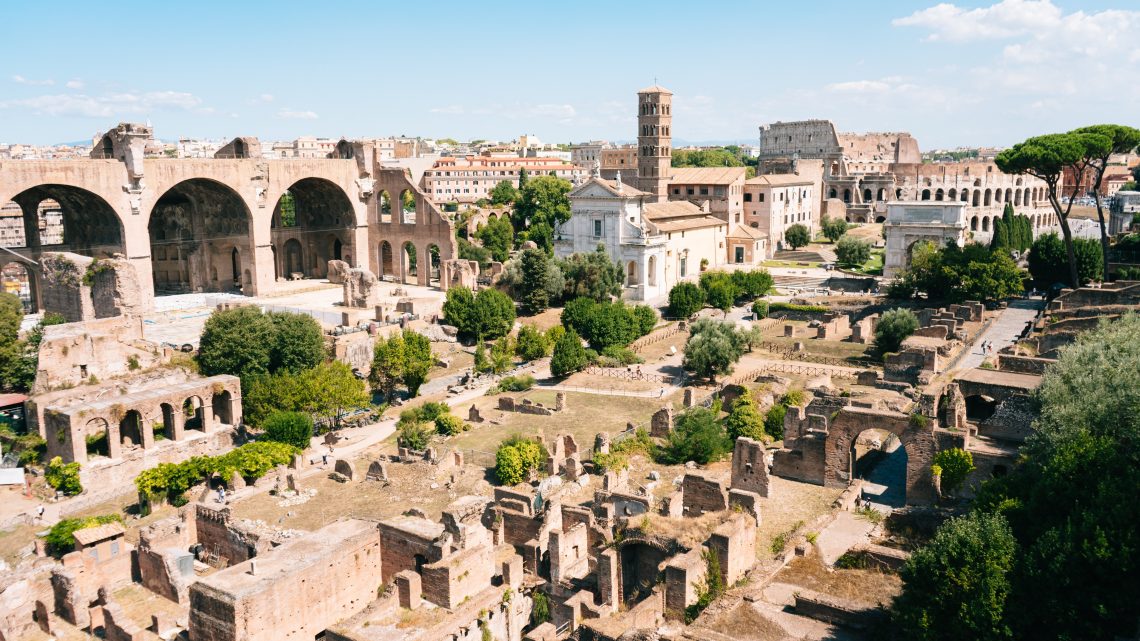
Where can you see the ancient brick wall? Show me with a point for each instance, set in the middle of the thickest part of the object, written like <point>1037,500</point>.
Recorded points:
<point>735,545</point>
<point>683,575</point>
<point>569,557</point>
<point>217,532</point>
<point>1023,364</point>
<point>917,437</point>
<point>703,494</point>
<point>401,544</point>
<point>749,467</point>
<point>295,592</point>
<point>449,582</point>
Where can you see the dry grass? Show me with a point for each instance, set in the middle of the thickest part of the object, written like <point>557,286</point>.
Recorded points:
<point>593,381</point>
<point>746,624</point>
<point>587,414</point>
<point>868,586</point>
<point>16,539</point>
<point>409,486</point>
<point>545,320</point>
<point>791,502</point>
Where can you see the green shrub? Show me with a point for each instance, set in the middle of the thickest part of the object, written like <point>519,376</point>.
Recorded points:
<point>956,464</point>
<point>776,306</point>
<point>760,309</point>
<point>745,419</point>
<point>893,328</point>
<point>519,383</point>
<point>413,436</point>
<point>774,422</point>
<point>646,318</point>
<point>250,461</point>
<point>449,424</point>
<point>697,436</point>
<point>685,299</point>
<point>540,610</point>
<point>60,538</point>
<point>517,458</point>
<point>569,355</point>
<point>532,344</point>
<point>293,428</point>
<point>610,462</point>
<point>63,476</point>
<point>621,355</point>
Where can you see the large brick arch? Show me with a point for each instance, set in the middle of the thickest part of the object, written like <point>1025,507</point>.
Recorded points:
<point>917,439</point>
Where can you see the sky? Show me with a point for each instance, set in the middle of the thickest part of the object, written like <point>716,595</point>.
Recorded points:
<point>952,74</point>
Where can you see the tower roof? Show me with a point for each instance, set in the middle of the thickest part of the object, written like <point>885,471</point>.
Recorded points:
<point>655,89</point>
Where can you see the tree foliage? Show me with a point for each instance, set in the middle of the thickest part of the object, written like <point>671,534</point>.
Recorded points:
<point>569,355</point>
<point>697,436</point>
<point>797,236</point>
<point>606,324</point>
<point>1048,263</point>
<point>955,274</point>
<point>712,348</point>
<point>957,586</point>
<point>592,274</point>
<point>325,392</point>
<point>532,344</point>
<point>852,251</point>
<point>893,328</point>
<point>488,314</point>
<point>517,458</point>
<point>685,299</point>
<point>498,237</point>
<point>292,428</point>
<point>750,284</point>
<point>298,342</point>
<point>403,358</point>
<point>237,341</point>
<point>250,461</point>
<point>535,297</point>
<point>64,477</point>
<point>745,419</point>
<point>956,464</point>
<point>719,289</point>
<point>833,228</point>
<point>543,204</point>
<point>504,192</point>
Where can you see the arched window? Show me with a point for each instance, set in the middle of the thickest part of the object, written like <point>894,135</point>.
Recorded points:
<point>925,194</point>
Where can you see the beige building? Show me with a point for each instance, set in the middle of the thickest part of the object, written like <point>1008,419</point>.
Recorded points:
<point>471,178</point>
<point>658,243</point>
<point>722,188</point>
<point>774,202</point>
<point>621,160</point>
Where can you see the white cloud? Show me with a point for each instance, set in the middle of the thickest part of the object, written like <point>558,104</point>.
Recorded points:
<point>297,115</point>
<point>450,109</point>
<point>18,79</point>
<point>107,106</point>
<point>74,83</point>
<point>1005,19</point>
<point>266,97</point>
<point>859,86</point>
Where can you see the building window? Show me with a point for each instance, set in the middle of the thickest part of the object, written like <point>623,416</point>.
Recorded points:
<point>747,198</point>
<point>597,228</point>
<point>689,191</point>
<point>704,191</point>
<point>739,254</point>
<point>684,266</point>
<point>761,197</point>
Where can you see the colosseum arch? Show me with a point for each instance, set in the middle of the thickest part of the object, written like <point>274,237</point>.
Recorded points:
<point>952,194</point>
<point>867,196</point>
<point>882,194</point>
<point>200,238</point>
<point>19,277</point>
<point>964,196</point>
<point>1017,198</point>
<point>939,194</point>
<point>316,214</point>
<point>925,194</point>
<point>408,207</point>
<point>974,223</point>
<point>985,223</point>
<point>977,198</point>
<point>409,262</point>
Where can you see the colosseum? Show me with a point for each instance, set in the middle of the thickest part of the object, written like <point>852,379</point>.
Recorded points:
<point>865,171</point>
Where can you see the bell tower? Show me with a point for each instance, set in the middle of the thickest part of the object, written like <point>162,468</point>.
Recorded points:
<point>654,140</point>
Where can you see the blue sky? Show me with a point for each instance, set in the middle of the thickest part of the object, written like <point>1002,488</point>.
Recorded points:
<point>966,73</point>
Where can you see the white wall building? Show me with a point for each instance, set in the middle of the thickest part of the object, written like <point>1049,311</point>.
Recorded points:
<point>657,244</point>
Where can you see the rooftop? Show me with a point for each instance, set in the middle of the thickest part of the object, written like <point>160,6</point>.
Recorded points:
<point>90,535</point>
<point>778,180</point>
<point>706,175</point>
<point>655,89</point>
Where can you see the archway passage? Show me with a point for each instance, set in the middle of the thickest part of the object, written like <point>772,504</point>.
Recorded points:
<point>433,256</point>
<point>17,279</point>
<point>222,403</point>
<point>316,216</point>
<point>980,408</point>
<point>192,414</point>
<point>199,238</point>
<point>640,571</point>
<point>67,218</point>
<point>97,434</point>
<point>131,429</point>
<point>387,260</point>
<point>167,426</point>
<point>879,458</point>
<point>410,263</point>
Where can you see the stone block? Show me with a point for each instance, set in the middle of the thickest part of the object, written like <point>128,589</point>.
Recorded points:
<point>337,271</point>
<point>377,471</point>
<point>409,589</point>
<point>345,468</point>
<point>513,571</point>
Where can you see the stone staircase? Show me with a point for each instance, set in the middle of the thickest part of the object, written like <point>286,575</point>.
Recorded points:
<point>799,256</point>
<point>799,282</point>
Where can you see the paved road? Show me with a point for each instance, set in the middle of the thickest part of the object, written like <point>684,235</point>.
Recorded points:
<point>1004,330</point>
<point>885,484</point>
<point>846,531</point>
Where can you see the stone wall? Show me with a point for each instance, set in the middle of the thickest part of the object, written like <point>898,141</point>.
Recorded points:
<point>449,582</point>
<point>703,493</point>
<point>823,607</point>
<point>683,575</point>
<point>749,467</point>
<point>295,592</point>
<point>735,545</point>
<point>1023,364</point>
<point>406,544</point>
<point>217,532</point>
<point>165,564</point>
